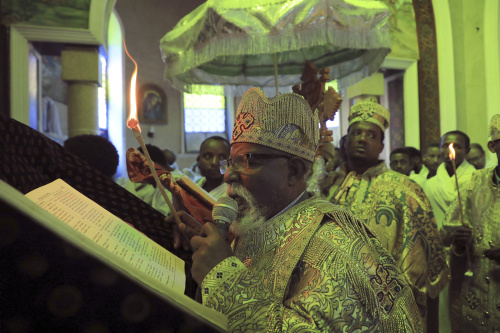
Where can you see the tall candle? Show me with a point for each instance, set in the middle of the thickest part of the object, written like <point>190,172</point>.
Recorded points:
<point>133,124</point>
<point>452,156</point>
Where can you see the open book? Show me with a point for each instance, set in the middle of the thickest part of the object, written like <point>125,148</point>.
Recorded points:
<point>80,221</point>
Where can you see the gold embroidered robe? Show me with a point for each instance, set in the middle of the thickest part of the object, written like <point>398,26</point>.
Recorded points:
<point>397,210</point>
<point>480,294</point>
<point>314,268</point>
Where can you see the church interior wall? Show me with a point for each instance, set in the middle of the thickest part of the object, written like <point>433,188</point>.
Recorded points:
<point>144,23</point>
<point>492,56</point>
<point>468,27</point>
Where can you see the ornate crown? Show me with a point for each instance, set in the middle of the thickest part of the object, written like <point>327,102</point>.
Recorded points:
<point>284,122</point>
<point>370,111</point>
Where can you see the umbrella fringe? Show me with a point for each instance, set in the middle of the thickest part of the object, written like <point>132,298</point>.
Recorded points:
<point>231,45</point>
<point>377,58</point>
<point>346,74</point>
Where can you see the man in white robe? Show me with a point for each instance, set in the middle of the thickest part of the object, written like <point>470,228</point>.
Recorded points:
<point>432,159</point>
<point>213,150</point>
<point>442,191</point>
<point>478,308</point>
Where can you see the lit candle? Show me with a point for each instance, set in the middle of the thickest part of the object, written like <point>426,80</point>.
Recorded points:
<point>133,124</point>
<point>452,156</point>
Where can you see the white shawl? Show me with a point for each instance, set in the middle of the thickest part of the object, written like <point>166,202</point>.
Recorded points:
<point>442,189</point>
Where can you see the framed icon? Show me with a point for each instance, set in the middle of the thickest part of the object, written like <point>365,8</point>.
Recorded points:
<point>152,105</point>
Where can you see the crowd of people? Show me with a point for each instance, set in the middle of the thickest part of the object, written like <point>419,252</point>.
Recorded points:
<point>374,248</point>
<point>469,303</point>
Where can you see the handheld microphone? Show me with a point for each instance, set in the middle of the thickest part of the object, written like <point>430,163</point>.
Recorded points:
<point>223,214</point>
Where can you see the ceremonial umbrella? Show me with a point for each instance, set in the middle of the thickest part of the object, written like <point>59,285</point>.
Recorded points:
<point>266,43</point>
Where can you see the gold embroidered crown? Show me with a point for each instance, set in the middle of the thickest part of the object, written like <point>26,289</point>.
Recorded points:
<point>284,122</point>
<point>369,110</point>
<point>495,127</point>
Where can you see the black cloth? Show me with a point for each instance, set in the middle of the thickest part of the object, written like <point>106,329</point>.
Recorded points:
<point>49,285</point>
<point>46,285</point>
<point>28,160</point>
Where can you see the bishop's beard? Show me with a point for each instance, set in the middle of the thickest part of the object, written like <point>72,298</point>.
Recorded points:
<point>250,215</point>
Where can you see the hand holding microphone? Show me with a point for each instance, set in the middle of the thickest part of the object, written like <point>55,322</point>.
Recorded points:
<point>224,213</point>
<point>211,247</point>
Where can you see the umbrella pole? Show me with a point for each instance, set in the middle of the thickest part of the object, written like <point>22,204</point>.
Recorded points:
<point>275,56</point>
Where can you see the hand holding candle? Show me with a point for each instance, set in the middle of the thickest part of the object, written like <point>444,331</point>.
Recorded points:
<point>133,124</point>
<point>452,156</point>
<point>191,198</point>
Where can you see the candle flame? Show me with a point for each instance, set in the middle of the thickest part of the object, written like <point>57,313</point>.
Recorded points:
<point>452,152</point>
<point>133,120</point>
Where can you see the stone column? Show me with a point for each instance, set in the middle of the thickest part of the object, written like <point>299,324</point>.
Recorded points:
<point>81,69</point>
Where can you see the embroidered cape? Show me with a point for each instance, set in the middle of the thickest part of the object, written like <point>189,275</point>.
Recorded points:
<point>397,210</point>
<point>313,268</point>
<point>480,293</point>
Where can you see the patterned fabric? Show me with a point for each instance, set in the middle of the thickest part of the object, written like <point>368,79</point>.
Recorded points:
<point>312,268</point>
<point>480,295</point>
<point>428,84</point>
<point>400,214</point>
<point>160,204</point>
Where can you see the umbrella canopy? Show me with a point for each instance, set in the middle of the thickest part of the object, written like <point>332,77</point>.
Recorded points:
<point>255,43</point>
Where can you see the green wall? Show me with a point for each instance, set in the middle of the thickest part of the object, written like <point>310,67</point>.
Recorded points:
<point>468,47</point>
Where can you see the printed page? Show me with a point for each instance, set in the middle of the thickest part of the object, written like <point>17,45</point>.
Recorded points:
<point>111,233</point>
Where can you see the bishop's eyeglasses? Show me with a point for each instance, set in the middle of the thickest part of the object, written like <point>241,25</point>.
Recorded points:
<point>248,161</point>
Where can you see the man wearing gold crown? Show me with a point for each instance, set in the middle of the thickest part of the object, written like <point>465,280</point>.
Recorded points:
<point>479,305</point>
<point>391,204</point>
<point>297,263</point>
